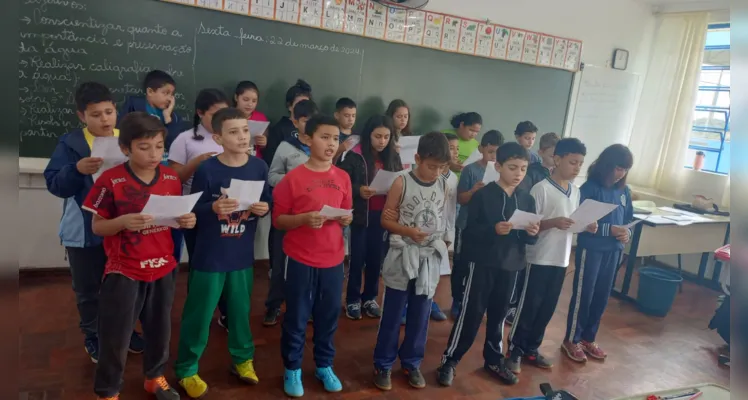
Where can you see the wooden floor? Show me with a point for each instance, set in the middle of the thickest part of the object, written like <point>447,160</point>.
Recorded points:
<point>645,353</point>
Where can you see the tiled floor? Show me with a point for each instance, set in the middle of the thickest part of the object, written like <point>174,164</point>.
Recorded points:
<point>645,353</point>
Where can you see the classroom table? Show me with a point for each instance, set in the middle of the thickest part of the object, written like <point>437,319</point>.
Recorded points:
<point>657,235</point>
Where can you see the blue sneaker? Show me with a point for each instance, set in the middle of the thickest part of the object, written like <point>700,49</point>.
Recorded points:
<point>455,311</point>
<point>137,344</point>
<point>292,383</point>
<point>328,378</point>
<point>436,312</point>
<point>92,348</point>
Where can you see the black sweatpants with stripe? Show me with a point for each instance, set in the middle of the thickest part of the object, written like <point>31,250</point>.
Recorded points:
<point>488,290</point>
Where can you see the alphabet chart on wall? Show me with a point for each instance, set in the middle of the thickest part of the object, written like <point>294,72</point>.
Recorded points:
<point>414,27</point>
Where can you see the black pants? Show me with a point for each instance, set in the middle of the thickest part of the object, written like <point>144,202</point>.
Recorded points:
<point>488,289</point>
<point>518,289</point>
<point>277,275</point>
<point>366,255</point>
<point>459,268</point>
<point>87,268</point>
<point>542,288</point>
<point>122,302</point>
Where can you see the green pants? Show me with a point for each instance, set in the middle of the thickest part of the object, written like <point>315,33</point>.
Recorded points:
<point>204,290</point>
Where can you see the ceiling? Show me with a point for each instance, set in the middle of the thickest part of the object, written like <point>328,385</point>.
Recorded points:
<point>686,5</point>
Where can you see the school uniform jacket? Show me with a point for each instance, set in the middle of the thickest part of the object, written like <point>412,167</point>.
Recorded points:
<point>283,130</point>
<point>289,155</point>
<point>139,103</point>
<point>603,240</point>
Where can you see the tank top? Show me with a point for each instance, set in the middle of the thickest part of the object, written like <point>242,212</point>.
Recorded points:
<point>422,205</point>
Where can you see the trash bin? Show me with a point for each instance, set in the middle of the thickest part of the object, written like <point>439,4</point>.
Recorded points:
<point>657,289</point>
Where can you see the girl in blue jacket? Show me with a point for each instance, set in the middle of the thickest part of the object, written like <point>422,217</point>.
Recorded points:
<point>598,254</point>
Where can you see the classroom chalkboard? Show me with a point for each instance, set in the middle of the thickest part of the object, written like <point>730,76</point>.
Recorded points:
<point>63,43</point>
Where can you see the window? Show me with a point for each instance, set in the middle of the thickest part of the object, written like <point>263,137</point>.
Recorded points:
<point>710,133</point>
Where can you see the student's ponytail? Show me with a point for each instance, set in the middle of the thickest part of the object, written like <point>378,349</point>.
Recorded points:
<point>466,119</point>
<point>301,88</point>
<point>206,99</point>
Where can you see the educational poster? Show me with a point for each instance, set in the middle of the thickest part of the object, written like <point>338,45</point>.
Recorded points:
<point>355,17</point>
<point>573,53</point>
<point>287,10</point>
<point>516,43</point>
<point>311,13</point>
<point>415,27</point>
<point>333,16</point>
<point>261,8</point>
<point>530,51</point>
<point>450,33</point>
<point>468,33</point>
<point>432,35</point>
<point>559,53</point>
<point>396,19</point>
<point>500,42</point>
<point>484,40</point>
<point>546,50</point>
<point>375,20</point>
<point>214,4</point>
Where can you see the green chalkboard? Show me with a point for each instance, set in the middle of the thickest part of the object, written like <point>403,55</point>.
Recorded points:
<point>64,42</point>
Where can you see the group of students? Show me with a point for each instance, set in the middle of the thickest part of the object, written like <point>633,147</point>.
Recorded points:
<point>124,266</point>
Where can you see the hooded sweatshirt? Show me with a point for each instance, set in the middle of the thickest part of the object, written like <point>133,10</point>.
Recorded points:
<point>289,155</point>
<point>284,129</point>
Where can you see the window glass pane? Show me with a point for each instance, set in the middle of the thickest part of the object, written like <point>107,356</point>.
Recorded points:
<point>710,78</point>
<point>719,37</point>
<point>706,98</point>
<point>717,57</point>
<point>723,99</point>
<point>709,119</point>
<point>725,78</point>
<point>709,140</point>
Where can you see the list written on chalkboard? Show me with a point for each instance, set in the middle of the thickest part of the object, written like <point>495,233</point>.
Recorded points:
<point>65,43</point>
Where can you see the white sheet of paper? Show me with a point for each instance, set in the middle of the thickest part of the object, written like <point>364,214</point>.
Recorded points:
<point>352,142</point>
<point>166,209</point>
<point>408,149</point>
<point>257,128</point>
<point>588,212</point>
<point>631,225</point>
<point>332,212</point>
<point>475,156</point>
<point>383,181</point>
<point>491,174</point>
<point>522,219</point>
<point>107,148</point>
<point>247,192</point>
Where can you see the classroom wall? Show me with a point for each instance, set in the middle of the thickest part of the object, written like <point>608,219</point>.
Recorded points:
<point>601,25</point>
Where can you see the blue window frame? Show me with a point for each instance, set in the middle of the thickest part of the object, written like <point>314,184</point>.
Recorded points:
<point>710,132</point>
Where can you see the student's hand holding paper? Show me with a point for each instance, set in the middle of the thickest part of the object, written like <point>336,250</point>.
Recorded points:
<point>478,186</point>
<point>187,221</point>
<point>260,208</point>
<point>89,165</point>
<point>225,205</point>
<point>620,232</point>
<point>366,192</point>
<point>533,229</point>
<point>503,228</point>
<point>261,140</point>
<point>345,220</point>
<point>314,219</point>
<point>456,166</point>
<point>562,223</point>
<point>136,221</point>
<point>592,228</point>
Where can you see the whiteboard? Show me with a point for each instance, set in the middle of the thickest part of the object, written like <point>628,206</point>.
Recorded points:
<point>604,110</point>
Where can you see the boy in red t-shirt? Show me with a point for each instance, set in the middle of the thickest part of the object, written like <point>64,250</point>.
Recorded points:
<point>140,273</point>
<point>315,249</point>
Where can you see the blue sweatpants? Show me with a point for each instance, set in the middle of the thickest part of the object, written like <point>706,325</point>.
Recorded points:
<point>367,252</point>
<point>593,281</point>
<point>176,236</point>
<point>412,350</point>
<point>309,292</point>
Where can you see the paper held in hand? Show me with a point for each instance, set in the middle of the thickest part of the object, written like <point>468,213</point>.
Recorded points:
<point>523,219</point>
<point>491,174</point>
<point>474,156</point>
<point>408,149</point>
<point>350,143</point>
<point>332,212</point>
<point>247,192</point>
<point>107,148</point>
<point>588,212</point>
<point>166,209</point>
<point>257,128</point>
<point>383,181</point>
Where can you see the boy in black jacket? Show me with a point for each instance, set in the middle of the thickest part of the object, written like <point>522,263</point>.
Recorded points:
<point>494,252</point>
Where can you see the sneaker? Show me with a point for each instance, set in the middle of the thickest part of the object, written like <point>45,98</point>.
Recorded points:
<point>223,322</point>
<point>246,372</point>
<point>513,360</point>
<point>538,360</point>
<point>501,372</point>
<point>92,348</point>
<point>436,312</point>
<point>445,374</point>
<point>292,383</point>
<point>455,310</point>
<point>329,380</point>
<point>271,316</point>
<point>372,310</point>
<point>593,350</point>
<point>195,387</point>
<point>383,379</point>
<point>137,344</point>
<point>353,311</point>
<point>415,377</point>
<point>574,351</point>
<point>510,316</point>
<point>160,388</point>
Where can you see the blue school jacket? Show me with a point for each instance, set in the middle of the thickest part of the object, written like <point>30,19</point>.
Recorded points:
<point>139,103</point>
<point>64,181</point>
<point>602,240</point>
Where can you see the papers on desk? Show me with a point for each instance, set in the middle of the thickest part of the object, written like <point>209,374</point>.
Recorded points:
<point>672,216</point>
<point>332,212</point>
<point>491,174</point>
<point>383,181</point>
<point>166,209</point>
<point>474,156</point>
<point>247,192</point>
<point>107,148</point>
<point>522,219</point>
<point>408,149</point>
<point>257,128</point>
<point>588,212</point>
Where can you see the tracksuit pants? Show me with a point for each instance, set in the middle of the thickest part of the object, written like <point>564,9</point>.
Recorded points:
<point>87,268</point>
<point>121,302</point>
<point>189,241</point>
<point>278,268</point>
<point>518,290</point>
<point>488,289</point>
<point>177,236</point>
<point>205,289</point>
<point>309,292</point>
<point>413,348</point>
<point>366,253</point>
<point>593,282</point>
<point>541,290</point>
<point>458,276</point>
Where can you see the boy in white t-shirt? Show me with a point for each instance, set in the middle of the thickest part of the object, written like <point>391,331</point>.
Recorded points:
<point>556,198</point>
